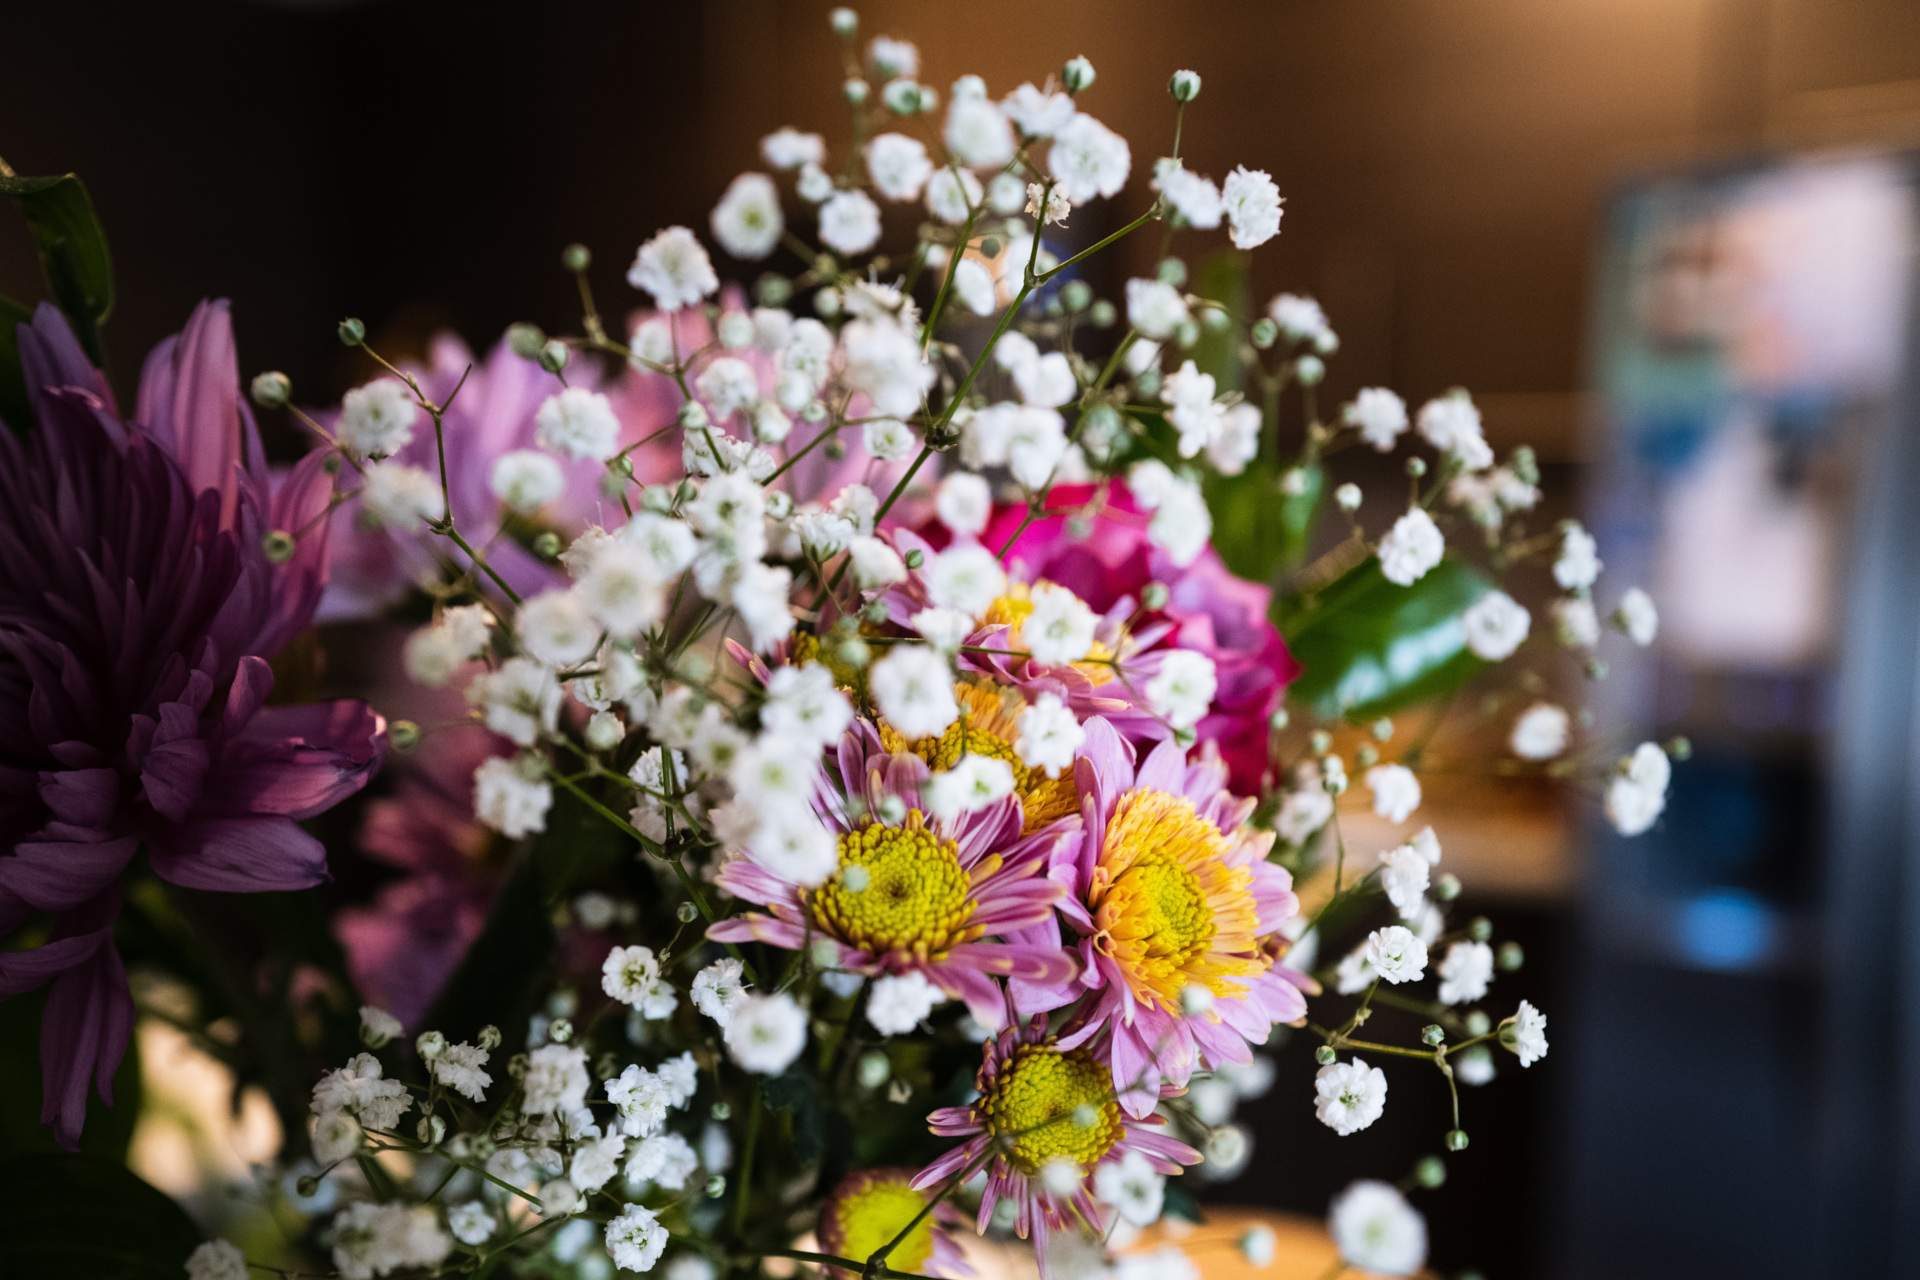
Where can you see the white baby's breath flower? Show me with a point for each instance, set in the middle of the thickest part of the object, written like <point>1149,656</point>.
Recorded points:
<point>675,269</point>
<point>1059,629</point>
<point>875,564</point>
<point>458,1067</point>
<point>897,1003</point>
<point>1526,1034</point>
<point>804,708</point>
<point>1465,972</point>
<point>1048,735</point>
<point>767,1033</point>
<point>790,842</point>
<point>1048,204</point>
<point>1379,415</point>
<point>788,148</point>
<point>1575,622</point>
<point>1132,1187</point>
<point>977,132</point>
<point>973,286</point>
<point>556,1080</point>
<point>578,423</point>
<point>966,577</point>
<point>964,503</point>
<point>471,1223</point>
<point>1404,875</point>
<point>1637,792</point>
<point>1637,617</point>
<point>718,990</point>
<point>1301,319</point>
<point>1412,547</point>
<point>849,222</point>
<point>913,687</point>
<point>1540,733</point>
<point>747,222</point>
<point>1579,562</point>
<point>727,385</point>
<point>1194,198</point>
<point>1038,113</point>
<point>1396,792</point>
<point>631,975</point>
<point>974,782</point>
<point>1155,308</point>
<point>952,194</point>
<point>398,497</point>
<point>1496,625</point>
<point>760,598</point>
<point>888,439</point>
<point>526,480</point>
<point>1181,525</point>
<point>665,1159</point>
<point>1302,813</point>
<point>557,628</point>
<point>1253,207</point>
<point>1182,690</point>
<point>1451,424</point>
<point>509,802</point>
<point>1396,954</point>
<point>1349,1096</point>
<point>1377,1231</point>
<point>216,1260</point>
<point>635,1240</point>
<point>898,166</point>
<point>376,420</point>
<point>1088,159</point>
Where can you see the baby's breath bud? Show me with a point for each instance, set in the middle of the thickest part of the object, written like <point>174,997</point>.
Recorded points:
<point>430,1130</point>
<point>271,390</point>
<point>736,330</point>
<point>1171,271</point>
<point>1310,370</point>
<point>875,613</point>
<point>773,290</point>
<point>716,1186</point>
<point>1325,1055</point>
<point>517,1066</point>
<point>1320,742</point>
<point>606,1066</point>
<point>874,1069</point>
<point>604,731</point>
<point>1446,886</point>
<point>352,332</point>
<point>547,545</point>
<point>1478,1023</point>
<point>1430,1172</point>
<point>1596,669</point>
<point>1366,757</point>
<point>1186,737</point>
<point>278,546</point>
<point>696,667</point>
<point>1186,333</point>
<point>915,558</point>
<point>836,449</point>
<point>1155,595</point>
<point>430,1045</point>
<point>902,97</point>
<point>1077,75</point>
<point>620,465</point>
<point>1103,314</point>
<point>1079,529</point>
<point>1214,319</point>
<point>554,355</point>
<point>1265,332</point>
<point>693,415</point>
<point>1383,729</point>
<point>892,810</point>
<point>815,411</point>
<point>856,90</point>
<point>1526,468</point>
<point>855,878</point>
<point>686,913</point>
<point>489,1038</point>
<point>854,653</point>
<point>1433,1034</point>
<point>576,258</point>
<point>1195,1000</point>
<point>721,1111</point>
<point>560,1030</point>
<point>1076,295</point>
<point>824,953</point>
<point>1085,1117</point>
<point>1456,1139</point>
<point>404,735</point>
<point>1185,86</point>
<point>843,21</point>
<point>1680,749</point>
<point>1480,929</point>
<point>1416,467</point>
<point>1279,720</point>
<point>1511,956</point>
<point>525,340</point>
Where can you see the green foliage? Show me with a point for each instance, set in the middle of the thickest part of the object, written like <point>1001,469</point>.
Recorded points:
<point>73,249</point>
<point>1370,647</point>
<point>77,1215</point>
<point>108,1129</point>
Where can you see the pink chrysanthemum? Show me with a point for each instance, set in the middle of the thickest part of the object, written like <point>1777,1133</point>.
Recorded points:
<point>1169,890</point>
<point>927,892</point>
<point>1043,1102</point>
<point>871,1206</point>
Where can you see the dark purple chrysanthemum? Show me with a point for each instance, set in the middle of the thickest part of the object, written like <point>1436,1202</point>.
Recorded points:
<point>138,606</point>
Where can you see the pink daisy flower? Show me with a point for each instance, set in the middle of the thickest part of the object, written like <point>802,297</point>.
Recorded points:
<point>871,1206</point>
<point>920,895</point>
<point>1168,890</point>
<point>1043,1102</point>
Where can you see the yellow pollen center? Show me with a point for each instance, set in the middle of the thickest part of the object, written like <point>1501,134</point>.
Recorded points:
<point>898,889</point>
<point>987,727</point>
<point>1041,1103</point>
<point>874,1214</point>
<point>1167,907</point>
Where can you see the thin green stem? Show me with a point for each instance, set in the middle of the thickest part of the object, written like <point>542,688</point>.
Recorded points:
<point>746,1164</point>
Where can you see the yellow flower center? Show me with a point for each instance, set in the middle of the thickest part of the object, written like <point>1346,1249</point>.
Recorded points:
<point>1166,906</point>
<point>987,727</point>
<point>874,1214</point>
<point>1052,1105</point>
<point>1013,609</point>
<point>899,889</point>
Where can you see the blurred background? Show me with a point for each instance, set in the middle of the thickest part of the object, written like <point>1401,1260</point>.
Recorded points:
<point>1665,242</point>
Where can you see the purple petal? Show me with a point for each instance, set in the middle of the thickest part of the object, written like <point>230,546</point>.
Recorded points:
<point>298,761</point>
<point>239,855</point>
<point>58,875</point>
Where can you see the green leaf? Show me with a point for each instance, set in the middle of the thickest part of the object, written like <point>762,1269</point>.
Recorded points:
<point>73,249</point>
<point>108,1129</point>
<point>1179,1204</point>
<point>74,1215</point>
<point>1371,647</point>
<point>15,409</point>
<point>1223,279</point>
<point>1258,530</point>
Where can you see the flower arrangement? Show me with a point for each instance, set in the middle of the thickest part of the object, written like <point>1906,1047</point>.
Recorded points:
<point>849,800</point>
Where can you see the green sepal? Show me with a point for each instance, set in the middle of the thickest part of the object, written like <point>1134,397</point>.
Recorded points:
<point>73,250</point>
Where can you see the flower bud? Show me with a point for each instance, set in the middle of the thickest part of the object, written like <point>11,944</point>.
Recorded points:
<point>1430,1172</point>
<point>735,330</point>
<point>430,1130</point>
<point>489,1038</point>
<point>576,258</point>
<point>915,558</point>
<point>1085,1117</point>
<point>560,1030</point>
<point>773,290</point>
<point>824,953</point>
<point>720,1111</point>
<point>1478,1023</point>
<point>1186,333</point>
<point>404,735</point>
<point>1480,929</point>
<point>1076,295</point>
<point>546,545</point>
<point>893,810</point>
<point>1265,332</point>
<point>856,90</point>
<point>1310,370</point>
<point>1279,720</point>
<point>525,340</point>
<point>606,1066</point>
<point>1325,1055</point>
<point>1433,1034</point>
<point>874,1069</point>
<point>1416,467</point>
<point>990,247</point>
<point>716,1186</point>
<point>844,21</point>
<point>1446,886</point>
<point>827,303</point>
<point>875,613</point>
<point>902,97</point>
<point>604,731</point>
<point>554,355</point>
<point>1319,742</point>
<point>430,1045</point>
<point>352,332</point>
<point>1347,497</point>
<point>1103,314</point>
<point>1511,956</point>
<point>1367,756</point>
<point>686,913</point>
<point>855,878</point>
<point>1184,86</point>
<point>1680,749</point>
<point>307,1186</point>
<point>836,449</point>
<point>1195,1000</point>
<point>1456,1139</point>
<point>1171,271</point>
<point>271,390</point>
<point>277,546</point>
<point>1077,75</point>
<point>854,653</point>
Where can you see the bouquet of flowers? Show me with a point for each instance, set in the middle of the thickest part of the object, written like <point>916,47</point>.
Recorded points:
<point>845,799</point>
